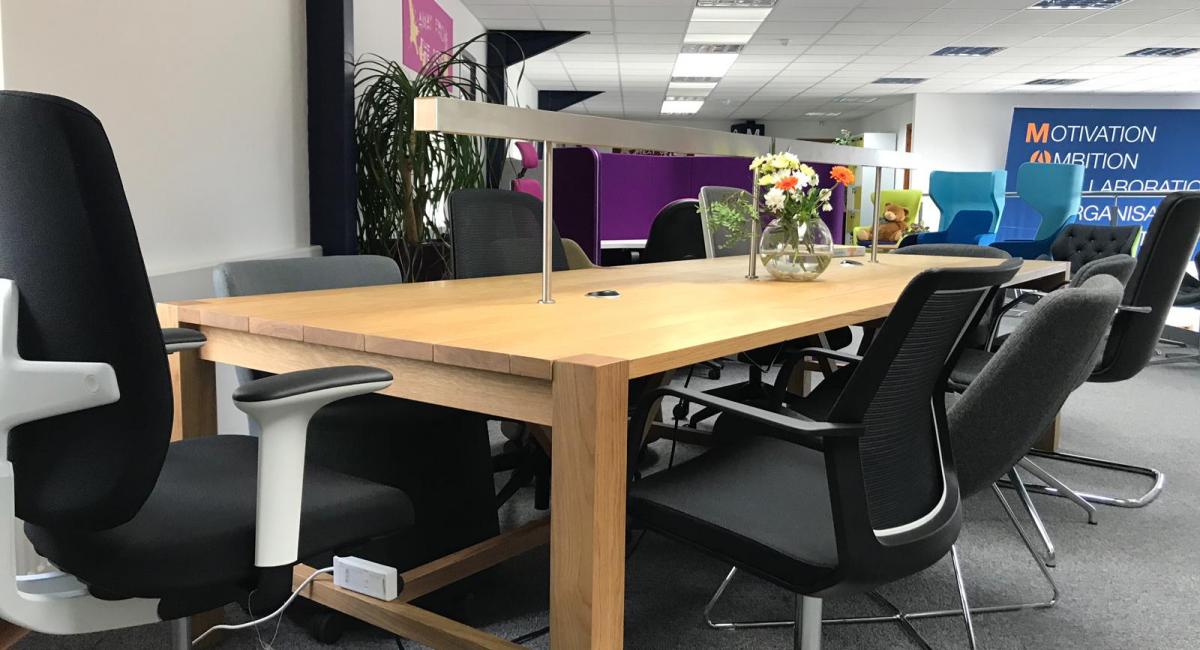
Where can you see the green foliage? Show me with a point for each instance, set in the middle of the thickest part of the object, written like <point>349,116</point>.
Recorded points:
<point>732,215</point>
<point>404,176</point>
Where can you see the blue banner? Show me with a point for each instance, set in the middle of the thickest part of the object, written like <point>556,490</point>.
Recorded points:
<point>1123,150</point>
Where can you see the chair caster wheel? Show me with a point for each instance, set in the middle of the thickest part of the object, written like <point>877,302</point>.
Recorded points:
<point>714,373</point>
<point>327,627</point>
<point>399,643</point>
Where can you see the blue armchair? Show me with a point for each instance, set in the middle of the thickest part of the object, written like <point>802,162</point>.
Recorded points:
<point>1055,192</point>
<point>970,203</point>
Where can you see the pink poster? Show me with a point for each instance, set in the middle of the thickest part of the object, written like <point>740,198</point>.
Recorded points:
<point>428,32</point>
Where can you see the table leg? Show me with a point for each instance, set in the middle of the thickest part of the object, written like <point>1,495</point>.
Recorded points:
<point>587,503</point>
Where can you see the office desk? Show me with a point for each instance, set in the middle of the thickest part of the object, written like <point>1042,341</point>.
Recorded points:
<point>486,345</point>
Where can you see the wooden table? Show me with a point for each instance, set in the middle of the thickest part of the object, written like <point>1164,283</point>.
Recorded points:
<point>486,345</point>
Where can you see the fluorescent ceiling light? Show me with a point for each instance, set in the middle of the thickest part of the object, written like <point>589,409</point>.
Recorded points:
<point>1165,51</point>
<point>817,114</point>
<point>1053,82</point>
<point>673,106</point>
<point>1078,4</point>
<point>734,14</point>
<point>702,64</point>
<point>690,87</point>
<point>735,3</point>
<point>722,39</point>
<point>901,81</point>
<point>967,50</point>
<point>855,100</point>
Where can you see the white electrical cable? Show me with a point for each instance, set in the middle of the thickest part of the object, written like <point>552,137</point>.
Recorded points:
<point>242,626</point>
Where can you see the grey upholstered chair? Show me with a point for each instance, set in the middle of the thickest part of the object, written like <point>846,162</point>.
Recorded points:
<point>953,250</point>
<point>440,457</point>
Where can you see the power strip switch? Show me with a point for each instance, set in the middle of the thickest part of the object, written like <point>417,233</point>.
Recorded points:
<point>366,577</point>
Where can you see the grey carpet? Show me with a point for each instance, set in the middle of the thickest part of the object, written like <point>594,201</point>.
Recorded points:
<point>1129,582</point>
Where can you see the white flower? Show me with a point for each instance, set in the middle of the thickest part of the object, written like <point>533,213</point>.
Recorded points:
<point>807,171</point>
<point>792,160</point>
<point>780,162</point>
<point>802,181</point>
<point>775,199</point>
<point>757,162</point>
<point>768,179</point>
<point>826,208</point>
<point>825,194</point>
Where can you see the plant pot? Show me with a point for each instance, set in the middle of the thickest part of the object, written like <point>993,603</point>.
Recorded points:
<point>423,262</point>
<point>799,253</point>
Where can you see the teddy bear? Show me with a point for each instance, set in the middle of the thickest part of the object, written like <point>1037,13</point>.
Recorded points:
<point>894,224</point>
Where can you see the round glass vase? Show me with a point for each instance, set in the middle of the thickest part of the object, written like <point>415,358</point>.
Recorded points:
<point>799,253</point>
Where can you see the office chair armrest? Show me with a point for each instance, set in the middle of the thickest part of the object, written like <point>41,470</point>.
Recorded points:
<point>826,353</point>
<point>789,428</point>
<point>1135,309</point>
<point>282,405</point>
<point>176,339</point>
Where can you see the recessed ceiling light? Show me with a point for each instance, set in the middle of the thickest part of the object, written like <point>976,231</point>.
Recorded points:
<point>681,107</point>
<point>1053,82</point>
<point>855,100</point>
<point>695,80</point>
<point>740,4</point>
<point>964,50</point>
<point>694,64</point>
<point>1078,4</point>
<point>722,39</point>
<point>816,114</point>
<point>685,87</point>
<point>902,81</point>
<point>1165,51</point>
<point>711,48</point>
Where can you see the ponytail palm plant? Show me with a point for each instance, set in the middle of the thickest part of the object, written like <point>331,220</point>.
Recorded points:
<point>404,176</point>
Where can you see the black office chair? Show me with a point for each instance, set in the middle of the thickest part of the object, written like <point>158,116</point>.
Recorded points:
<point>1189,288</point>
<point>499,232</point>
<point>677,233</point>
<point>1152,287</point>
<point>1188,297</point>
<point>439,457</point>
<point>858,496</point>
<point>143,529</point>
<point>1081,243</point>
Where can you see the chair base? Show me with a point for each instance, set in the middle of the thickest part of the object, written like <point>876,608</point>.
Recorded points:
<point>1145,499</point>
<point>905,619</point>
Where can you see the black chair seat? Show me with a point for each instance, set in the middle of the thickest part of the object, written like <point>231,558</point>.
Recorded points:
<point>760,504</point>
<point>197,528</point>
<point>970,364</point>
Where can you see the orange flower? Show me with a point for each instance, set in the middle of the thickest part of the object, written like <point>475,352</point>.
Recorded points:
<point>842,175</point>
<point>787,183</point>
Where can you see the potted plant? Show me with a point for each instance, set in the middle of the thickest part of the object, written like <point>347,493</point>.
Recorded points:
<point>796,244</point>
<point>405,177</point>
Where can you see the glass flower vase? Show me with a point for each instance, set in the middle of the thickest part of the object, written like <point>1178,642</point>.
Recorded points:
<point>797,252</point>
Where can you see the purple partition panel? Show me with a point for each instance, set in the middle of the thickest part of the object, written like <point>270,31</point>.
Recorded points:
<point>576,179</point>
<point>606,196</point>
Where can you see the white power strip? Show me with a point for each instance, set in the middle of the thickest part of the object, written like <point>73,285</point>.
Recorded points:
<point>366,577</point>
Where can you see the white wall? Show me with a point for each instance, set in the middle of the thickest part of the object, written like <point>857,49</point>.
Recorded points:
<point>793,129</point>
<point>204,102</point>
<point>970,132</point>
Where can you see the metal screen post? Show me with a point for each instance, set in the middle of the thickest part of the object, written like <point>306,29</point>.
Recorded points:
<point>875,217</point>
<point>547,220</point>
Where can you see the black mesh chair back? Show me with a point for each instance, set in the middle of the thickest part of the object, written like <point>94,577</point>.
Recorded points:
<point>67,239</point>
<point>902,464</point>
<point>1189,288</point>
<point>676,234</point>
<point>1161,265</point>
<point>1015,397</point>
<point>499,232</point>
<point>1081,243</point>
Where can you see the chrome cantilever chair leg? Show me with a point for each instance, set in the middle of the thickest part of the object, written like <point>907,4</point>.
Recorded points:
<point>905,619</point>
<point>1120,502</point>
<point>181,633</point>
<point>1050,480</point>
<point>962,595</point>
<point>1019,485</point>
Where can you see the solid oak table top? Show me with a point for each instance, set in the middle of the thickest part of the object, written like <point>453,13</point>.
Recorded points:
<point>668,315</point>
